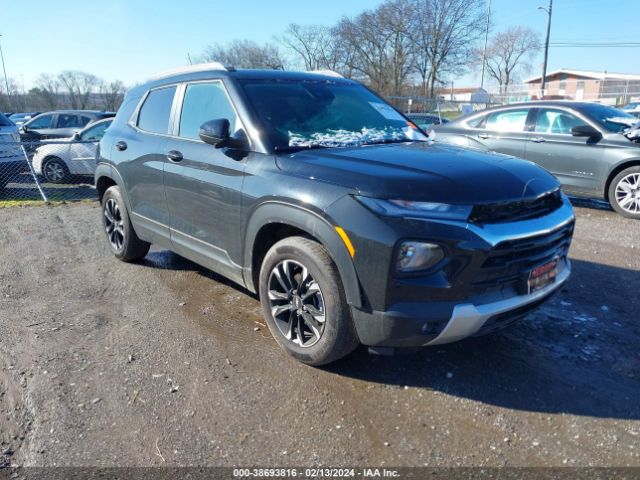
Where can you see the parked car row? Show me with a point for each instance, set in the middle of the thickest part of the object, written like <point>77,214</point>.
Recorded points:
<point>593,149</point>
<point>74,133</point>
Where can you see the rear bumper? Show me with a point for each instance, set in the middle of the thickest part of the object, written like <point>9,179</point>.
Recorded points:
<point>414,325</point>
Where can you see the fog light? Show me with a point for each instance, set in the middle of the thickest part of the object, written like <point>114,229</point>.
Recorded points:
<point>414,256</point>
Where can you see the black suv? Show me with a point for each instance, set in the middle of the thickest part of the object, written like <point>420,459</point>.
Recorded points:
<point>312,191</point>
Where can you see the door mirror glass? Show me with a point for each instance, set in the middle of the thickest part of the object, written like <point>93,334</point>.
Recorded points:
<point>215,132</point>
<point>585,131</point>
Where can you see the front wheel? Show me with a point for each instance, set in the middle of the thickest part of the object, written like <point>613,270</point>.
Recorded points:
<point>304,302</point>
<point>122,239</point>
<point>624,193</point>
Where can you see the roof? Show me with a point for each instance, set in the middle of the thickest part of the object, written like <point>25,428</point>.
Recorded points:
<point>205,71</point>
<point>587,74</point>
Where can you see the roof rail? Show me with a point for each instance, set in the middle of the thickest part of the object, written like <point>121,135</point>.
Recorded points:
<point>328,73</point>
<point>198,67</point>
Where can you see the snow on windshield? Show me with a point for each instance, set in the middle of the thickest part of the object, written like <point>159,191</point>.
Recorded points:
<point>622,120</point>
<point>347,138</point>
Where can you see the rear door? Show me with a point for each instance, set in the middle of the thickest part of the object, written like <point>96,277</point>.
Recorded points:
<point>576,161</point>
<point>503,131</point>
<point>203,183</point>
<point>139,155</point>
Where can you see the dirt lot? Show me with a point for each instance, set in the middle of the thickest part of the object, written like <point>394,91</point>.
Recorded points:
<point>160,363</point>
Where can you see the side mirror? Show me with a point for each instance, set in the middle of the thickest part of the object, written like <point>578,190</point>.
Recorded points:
<point>24,128</point>
<point>585,131</point>
<point>76,136</point>
<point>215,132</point>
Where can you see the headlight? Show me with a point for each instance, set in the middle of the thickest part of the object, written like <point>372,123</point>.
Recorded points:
<point>407,208</point>
<point>414,256</point>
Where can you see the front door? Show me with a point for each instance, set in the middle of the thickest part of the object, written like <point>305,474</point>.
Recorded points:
<point>575,161</point>
<point>203,184</point>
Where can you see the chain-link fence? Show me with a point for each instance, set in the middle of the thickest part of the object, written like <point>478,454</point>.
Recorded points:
<point>46,171</point>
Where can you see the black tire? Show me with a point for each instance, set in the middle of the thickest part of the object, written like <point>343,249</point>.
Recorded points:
<point>54,170</point>
<point>121,237</point>
<point>617,193</point>
<point>337,336</point>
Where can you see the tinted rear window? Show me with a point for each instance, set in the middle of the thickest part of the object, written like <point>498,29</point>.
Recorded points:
<point>154,114</point>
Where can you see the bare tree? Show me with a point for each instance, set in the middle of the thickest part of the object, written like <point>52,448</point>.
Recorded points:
<point>245,54</point>
<point>509,53</point>
<point>112,94</point>
<point>315,45</point>
<point>47,91</point>
<point>78,86</point>
<point>447,32</point>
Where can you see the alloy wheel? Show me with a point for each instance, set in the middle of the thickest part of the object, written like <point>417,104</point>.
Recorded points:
<point>54,171</point>
<point>297,304</point>
<point>628,193</point>
<point>114,224</point>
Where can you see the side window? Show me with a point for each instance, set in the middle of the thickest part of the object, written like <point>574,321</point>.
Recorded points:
<point>507,121</point>
<point>84,120</point>
<point>67,120</point>
<point>204,102</point>
<point>556,121</point>
<point>155,112</point>
<point>95,133</point>
<point>477,122</point>
<point>44,121</point>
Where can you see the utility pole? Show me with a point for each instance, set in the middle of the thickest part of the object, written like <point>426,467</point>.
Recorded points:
<point>546,47</point>
<point>6,80</point>
<point>486,38</point>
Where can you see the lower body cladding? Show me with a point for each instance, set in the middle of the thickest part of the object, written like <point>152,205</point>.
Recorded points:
<point>415,325</point>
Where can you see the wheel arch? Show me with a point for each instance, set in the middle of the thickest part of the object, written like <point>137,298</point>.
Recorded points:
<point>273,221</point>
<point>635,162</point>
<point>106,176</point>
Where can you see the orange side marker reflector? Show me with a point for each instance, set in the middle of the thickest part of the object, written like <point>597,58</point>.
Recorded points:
<point>347,242</point>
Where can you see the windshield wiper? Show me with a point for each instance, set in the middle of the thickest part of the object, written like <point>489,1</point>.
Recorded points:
<point>396,140</point>
<point>298,148</point>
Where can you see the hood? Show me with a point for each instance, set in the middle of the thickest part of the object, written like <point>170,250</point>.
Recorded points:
<point>423,171</point>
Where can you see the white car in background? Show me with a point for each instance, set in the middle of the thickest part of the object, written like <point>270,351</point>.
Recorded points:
<point>76,155</point>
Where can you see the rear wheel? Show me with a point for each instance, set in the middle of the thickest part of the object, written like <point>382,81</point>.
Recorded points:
<point>121,237</point>
<point>55,170</point>
<point>624,193</point>
<point>304,302</point>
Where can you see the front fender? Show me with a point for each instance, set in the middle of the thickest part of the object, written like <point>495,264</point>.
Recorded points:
<point>314,224</point>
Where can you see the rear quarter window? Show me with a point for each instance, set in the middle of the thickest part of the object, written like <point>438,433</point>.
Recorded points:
<point>156,110</point>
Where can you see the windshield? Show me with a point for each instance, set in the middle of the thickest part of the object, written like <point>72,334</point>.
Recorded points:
<point>314,114</point>
<point>612,119</point>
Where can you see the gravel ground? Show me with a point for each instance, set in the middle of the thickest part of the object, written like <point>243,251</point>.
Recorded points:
<point>164,363</point>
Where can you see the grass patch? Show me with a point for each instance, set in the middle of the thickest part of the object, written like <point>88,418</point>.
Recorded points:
<point>42,203</point>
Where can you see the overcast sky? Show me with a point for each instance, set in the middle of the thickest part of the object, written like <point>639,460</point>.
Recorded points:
<point>132,39</point>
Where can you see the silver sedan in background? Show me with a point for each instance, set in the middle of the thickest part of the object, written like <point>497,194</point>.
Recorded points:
<point>593,149</point>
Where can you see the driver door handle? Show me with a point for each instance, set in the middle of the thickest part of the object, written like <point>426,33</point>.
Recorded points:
<point>538,140</point>
<point>174,156</point>
<point>483,136</point>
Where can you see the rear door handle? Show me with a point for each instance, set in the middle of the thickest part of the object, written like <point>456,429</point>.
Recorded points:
<point>538,140</point>
<point>122,146</point>
<point>483,136</point>
<point>174,156</point>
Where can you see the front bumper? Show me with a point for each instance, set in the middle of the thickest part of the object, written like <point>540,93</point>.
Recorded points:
<point>414,325</point>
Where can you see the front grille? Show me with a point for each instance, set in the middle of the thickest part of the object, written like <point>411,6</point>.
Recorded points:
<point>516,211</point>
<point>509,262</point>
